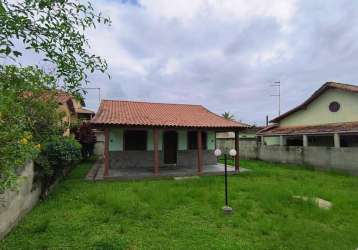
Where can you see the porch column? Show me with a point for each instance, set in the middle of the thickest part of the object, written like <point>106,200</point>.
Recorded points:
<point>305,140</point>
<point>237,148</point>
<point>106,152</point>
<point>262,140</point>
<point>200,153</point>
<point>337,140</point>
<point>156,150</point>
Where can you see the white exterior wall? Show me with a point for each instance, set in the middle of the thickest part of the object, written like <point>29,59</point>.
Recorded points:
<point>318,112</point>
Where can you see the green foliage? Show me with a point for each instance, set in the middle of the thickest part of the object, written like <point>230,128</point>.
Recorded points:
<point>17,145</point>
<point>167,214</point>
<point>87,138</point>
<point>55,29</point>
<point>228,116</point>
<point>57,153</point>
<point>28,117</point>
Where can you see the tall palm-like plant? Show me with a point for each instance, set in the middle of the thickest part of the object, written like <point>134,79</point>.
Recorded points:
<point>228,116</point>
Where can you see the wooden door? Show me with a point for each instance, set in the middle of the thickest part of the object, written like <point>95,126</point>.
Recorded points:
<point>170,147</point>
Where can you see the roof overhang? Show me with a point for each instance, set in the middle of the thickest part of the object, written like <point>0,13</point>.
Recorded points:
<point>135,126</point>
<point>330,128</point>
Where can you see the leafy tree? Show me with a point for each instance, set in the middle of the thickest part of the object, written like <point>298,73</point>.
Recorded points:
<point>228,116</point>
<point>55,29</point>
<point>34,91</point>
<point>28,118</point>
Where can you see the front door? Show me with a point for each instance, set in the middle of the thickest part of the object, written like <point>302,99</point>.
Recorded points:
<point>170,147</point>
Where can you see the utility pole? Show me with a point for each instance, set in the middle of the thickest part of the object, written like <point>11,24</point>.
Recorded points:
<point>278,95</point>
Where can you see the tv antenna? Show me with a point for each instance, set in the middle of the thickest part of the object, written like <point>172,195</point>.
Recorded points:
<point>278,95</point>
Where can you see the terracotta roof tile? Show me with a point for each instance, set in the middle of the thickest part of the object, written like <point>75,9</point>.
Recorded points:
<point>313,129</point>
<point>159,114</point>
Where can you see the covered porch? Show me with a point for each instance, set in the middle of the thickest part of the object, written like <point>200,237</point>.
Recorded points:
<point>160,139</point>
<point>97,173</point>
<point>334,135</point>
<point>135,153</point>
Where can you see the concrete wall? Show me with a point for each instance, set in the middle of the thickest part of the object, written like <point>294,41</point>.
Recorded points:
<point>188,158</point>
<point>115,139</point>
<point>99,146</point>
<point>145,159</point>
<point>325,158</point>
<point>210,143</point>
<point>271,140</point>
<point>135,159</point>
<point>225,143</point>
<point>319,108</point>
<point>248,148</point>
<point>14,204</point>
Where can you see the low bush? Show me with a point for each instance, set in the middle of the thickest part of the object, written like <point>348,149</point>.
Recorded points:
<point>57,154</point>
<point>87,138</point>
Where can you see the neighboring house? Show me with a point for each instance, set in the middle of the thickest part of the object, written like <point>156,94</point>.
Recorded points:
<point>247,135</point>
<point>155,135</point>
<point>328,118</point>
<point>72,109</point>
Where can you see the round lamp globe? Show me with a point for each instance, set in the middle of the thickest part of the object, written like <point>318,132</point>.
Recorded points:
<point>232,152</point>
<point>217,152</point>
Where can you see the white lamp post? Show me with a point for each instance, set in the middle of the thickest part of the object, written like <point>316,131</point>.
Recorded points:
<point>218,153</point>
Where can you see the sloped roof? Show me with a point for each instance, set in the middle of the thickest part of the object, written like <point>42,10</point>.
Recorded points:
<point>130,113</point>
<point>84,111</point>
<point>312,129</point>
<point>62,97</point>
<point>323,88</point>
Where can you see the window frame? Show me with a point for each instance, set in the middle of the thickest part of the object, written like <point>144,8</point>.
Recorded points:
<point>125,138</point>
<point>204,140</point>
<point>334,106</point>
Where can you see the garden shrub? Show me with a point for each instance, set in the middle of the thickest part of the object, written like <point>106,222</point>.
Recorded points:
<point>87,138</point>
<point>58,153</point>
<point>27,119</point>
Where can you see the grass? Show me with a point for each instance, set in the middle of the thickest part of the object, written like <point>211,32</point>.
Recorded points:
<point>187,214</point>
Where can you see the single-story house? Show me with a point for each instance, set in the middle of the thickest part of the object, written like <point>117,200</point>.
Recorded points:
<point>328,118</point>
<point>156,135</point>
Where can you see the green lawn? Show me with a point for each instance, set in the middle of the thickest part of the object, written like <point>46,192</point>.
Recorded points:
<point>169,214</point>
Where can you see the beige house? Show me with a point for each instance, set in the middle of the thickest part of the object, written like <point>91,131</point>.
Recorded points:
<point>328,118</point>
<point>72,109</point>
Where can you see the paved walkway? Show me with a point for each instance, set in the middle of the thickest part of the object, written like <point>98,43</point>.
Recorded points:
<point>96,173</point>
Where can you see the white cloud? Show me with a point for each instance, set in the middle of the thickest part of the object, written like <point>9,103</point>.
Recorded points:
<point>171,67</point>
<point>224,54</point>
<point>187,10</point>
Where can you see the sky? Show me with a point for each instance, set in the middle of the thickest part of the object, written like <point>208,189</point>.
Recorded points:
<point>224,54</point>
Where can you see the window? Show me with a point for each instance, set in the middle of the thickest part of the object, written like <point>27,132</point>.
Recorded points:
<point>135,140</point>
<point>334,106</point>
<point>294,141</point>
<point>321,141</point>
<point>193,140</point>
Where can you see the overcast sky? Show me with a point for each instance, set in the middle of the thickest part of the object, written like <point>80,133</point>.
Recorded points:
<point>225,54</point>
